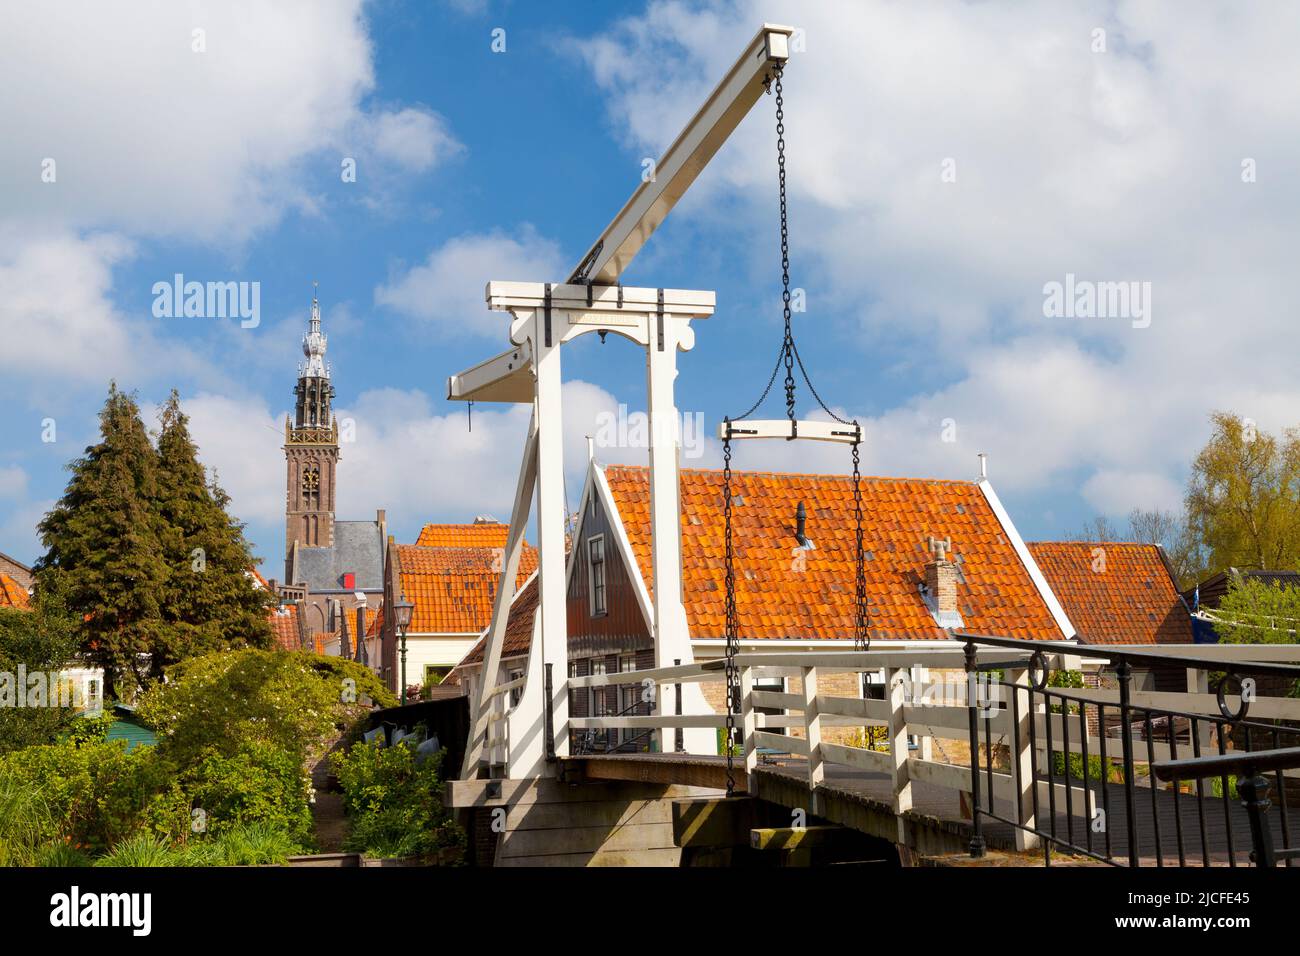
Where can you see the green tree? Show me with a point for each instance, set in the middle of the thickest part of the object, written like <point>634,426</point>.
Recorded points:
<point>208,602</point>
<point>42,639</point>
<point>103,546</point>
<point>1258,612</point>
<point>1243,496</point>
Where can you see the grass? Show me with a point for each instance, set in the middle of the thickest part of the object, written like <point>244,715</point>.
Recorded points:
<point>24,817</point>
<point>254,844</point>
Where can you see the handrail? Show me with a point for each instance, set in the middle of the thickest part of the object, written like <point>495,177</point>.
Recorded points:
<point>1237,762</point>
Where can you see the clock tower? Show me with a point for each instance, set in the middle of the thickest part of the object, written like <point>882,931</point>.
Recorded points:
<point>311,449</point>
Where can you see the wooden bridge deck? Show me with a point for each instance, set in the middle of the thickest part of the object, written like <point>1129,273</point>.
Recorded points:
<point>939,823</point>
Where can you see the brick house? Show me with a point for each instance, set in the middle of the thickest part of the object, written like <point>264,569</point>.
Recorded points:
<point>452,584</point>
<point>939,556</point>
<point>17,571</point>
<point>13,595</point>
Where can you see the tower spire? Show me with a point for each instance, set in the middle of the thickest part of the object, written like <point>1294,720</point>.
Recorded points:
<point>314,344</point>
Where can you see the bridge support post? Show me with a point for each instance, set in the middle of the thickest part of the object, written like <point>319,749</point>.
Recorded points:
<point>1023,770</point>
<point>749,724</point>
<point>897,684</point>
<point>812,721</point>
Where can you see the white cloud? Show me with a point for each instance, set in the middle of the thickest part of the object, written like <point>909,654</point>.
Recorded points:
<point>1067,161</point>
<point>57,318</point>
<point>156,139</point>
<point>447,289</point>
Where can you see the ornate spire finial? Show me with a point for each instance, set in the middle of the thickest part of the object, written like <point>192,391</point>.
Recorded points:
<point>314,342</point>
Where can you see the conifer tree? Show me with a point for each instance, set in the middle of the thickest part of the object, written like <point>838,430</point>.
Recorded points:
<point>103,546</point>
<point>209,601</point>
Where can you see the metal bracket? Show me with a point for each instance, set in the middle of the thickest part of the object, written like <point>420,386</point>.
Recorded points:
<point>547,307</point>
<point>661,320</point>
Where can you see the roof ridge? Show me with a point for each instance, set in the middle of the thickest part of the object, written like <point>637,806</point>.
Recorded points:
<point>834,476</point>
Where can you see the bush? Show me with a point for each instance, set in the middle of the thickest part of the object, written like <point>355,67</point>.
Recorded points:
<point>394,804</point>
<point>87,730</point>
<point>289,700</point>
<point>258,784</point>
<point>25,822</point>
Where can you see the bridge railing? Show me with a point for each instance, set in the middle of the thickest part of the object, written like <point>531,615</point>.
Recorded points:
<point>1116,743</point>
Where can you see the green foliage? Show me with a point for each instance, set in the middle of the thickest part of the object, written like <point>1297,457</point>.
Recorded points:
<point>121,552</point>
<point>207,602</point>
<point>394,804</point>
<point>256,844</point>
<point>90,730</point>
<point>25,820</point>
<point>289,700</point>
<point>41,639</point>
<point>1258,612</point>
<point>142,849</point>
<point>1243,496</point>
<point>259,784</point>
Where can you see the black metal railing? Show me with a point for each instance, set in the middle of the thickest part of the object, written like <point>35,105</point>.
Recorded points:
<point>607,740</point>
<point>1249,768</point>
<point>1082,771</point>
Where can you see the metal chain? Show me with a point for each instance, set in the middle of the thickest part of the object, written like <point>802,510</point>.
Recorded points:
<point>787,345</point>
<point>861,638</point>
<point>730,611</point>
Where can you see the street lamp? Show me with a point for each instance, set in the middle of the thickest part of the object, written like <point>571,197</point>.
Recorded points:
<point>402,618</point>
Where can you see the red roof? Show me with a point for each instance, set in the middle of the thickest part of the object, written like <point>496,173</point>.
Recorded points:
<point>453,588</point>
<point>13,594</point>
<point>519,627</point>
<point>1115,592</point>
<point>481,534</point>
<point>783,591</point>
<point>284,627</point>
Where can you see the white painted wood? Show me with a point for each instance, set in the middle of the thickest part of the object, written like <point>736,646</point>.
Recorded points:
<point>524,487</point>
<point>773,698</point>
<point>506,296</point>
<point>503,378</point>
<point>870,711</point>
<point>784,428</point>
<point>1023,758</point>
<point>813,734</point>
<point>650,721</point>
<point>902,785</point>
<point>689,153</point>
<point>781,742</point>
<point>749,726</point>
<point>876,761</point>
<point>1283,708</point>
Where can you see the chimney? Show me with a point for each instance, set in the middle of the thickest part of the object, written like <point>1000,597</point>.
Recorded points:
<point>941,577</point>
<point>361,631</point>
<point>801,525</point>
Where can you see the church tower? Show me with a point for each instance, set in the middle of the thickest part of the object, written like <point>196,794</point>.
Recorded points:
<point>311,449</point>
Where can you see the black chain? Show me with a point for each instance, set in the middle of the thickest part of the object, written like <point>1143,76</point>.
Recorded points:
<point>731,620</point>
<point>787,345</point>
<point>861,638</point>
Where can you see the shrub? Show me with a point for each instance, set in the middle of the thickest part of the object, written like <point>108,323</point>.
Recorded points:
<point>286,699</point>
<point>86,730</point>
<point>394,804</point>
<point>143,849</point>
<point>25,822</point>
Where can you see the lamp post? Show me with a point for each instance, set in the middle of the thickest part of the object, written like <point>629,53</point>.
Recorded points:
<point>402,618</point>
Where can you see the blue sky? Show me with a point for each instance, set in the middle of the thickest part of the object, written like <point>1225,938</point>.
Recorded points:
<point>946,162</point>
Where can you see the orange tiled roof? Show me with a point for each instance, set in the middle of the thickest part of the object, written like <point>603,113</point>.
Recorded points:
<point>487,534</point>
<point>284,627</point>
<point>13,594</point>
<point>453,588</point>
<point>774,600</point>
<point>1128,599</point>
<point>519,627</point>
<point>374,621</point>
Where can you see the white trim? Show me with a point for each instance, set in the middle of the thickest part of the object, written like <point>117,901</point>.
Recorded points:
<point>624,546</point>
<point>1027,559</point>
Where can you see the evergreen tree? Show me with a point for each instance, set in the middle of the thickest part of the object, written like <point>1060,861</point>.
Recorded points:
<point>103,546</point>
<point>209,601</point>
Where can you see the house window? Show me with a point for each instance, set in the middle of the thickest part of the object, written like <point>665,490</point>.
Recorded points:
<point>596,572</point>
<point>434,675</point>
<point>516,692</point>
<point>629,697</point>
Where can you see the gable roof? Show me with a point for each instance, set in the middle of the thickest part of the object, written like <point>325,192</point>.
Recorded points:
<point>453,588</point>
<point>13,594</point>
<point>358,549</point>
<point>480,534</point>
<point>1130,599</point>
<point>996,594</point>
<point>519,626</point>
<point>284,627</point>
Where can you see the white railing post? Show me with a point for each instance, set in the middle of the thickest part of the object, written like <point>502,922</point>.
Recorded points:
<point>921,677</point>
<point>1023,758</point>
<point>896,683</point>
<point>749,724</point>
<point>812,722</point>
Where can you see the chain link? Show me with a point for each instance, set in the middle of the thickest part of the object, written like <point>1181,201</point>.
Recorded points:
<point>731,620</point>
<point>861,638</point>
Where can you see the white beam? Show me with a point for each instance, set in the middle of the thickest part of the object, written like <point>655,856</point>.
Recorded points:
<point>784,428</point>
<point>689,153</point>
<point>503,378</point>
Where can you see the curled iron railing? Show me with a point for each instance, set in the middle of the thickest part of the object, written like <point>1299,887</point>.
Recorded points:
<point>1113,754</point>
